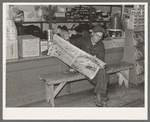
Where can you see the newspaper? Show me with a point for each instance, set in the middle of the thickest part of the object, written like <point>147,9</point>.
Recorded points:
<point>79,60</point>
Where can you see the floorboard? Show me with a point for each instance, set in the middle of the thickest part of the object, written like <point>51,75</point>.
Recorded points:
<point>119,96</point>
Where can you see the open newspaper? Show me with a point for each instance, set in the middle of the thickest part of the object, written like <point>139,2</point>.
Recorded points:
<point>79,60</point>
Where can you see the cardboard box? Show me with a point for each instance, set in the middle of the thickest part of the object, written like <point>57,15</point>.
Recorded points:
<point>11,50</point>
<point>30,16</point>
<point>108,44</point>
<point>60,14</point>
<point>60,8</point>
<point>119,42</point>
<point>29,46</point>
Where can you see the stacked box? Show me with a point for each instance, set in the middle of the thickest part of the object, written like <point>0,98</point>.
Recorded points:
<point>29,46</point>
<point>30,16</point>
<point>11,36</point>
<point>108,44</point>
<point>60,16</point>
<point>60,8</point>
<point>118,42</point>
<point>113,43</point>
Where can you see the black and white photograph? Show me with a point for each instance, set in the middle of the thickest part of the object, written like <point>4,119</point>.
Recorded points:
<point>75,60</point>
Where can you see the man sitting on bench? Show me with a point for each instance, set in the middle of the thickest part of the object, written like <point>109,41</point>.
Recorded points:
<point>94,46</point>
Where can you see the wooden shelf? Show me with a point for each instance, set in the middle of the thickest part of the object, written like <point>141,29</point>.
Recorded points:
<point>31,22</point>
<point>76,21</point>
<point>70,21</point>
<point>107,51</point>
<point>28,59</point>
<point>140,59</point>
<point>129,56</point>
<point>142,73</point>
<point>52,21</point>
<point>57,22</point>
<point>100,21</point>
<point>139,45</point>
<point>109,5</point>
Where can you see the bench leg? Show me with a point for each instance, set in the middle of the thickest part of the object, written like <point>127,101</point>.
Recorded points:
<point>50,94</point>
<point>69,87</point>
<point>124,76</point>
<point>59,87</point>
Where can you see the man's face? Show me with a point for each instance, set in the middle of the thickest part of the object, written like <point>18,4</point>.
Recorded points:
<point>97,36</point>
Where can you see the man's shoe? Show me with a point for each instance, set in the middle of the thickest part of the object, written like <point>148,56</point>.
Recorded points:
<point>100,103</point>
<point>105,98</point>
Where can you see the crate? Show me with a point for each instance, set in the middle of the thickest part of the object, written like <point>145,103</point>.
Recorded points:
<point>29,46</point>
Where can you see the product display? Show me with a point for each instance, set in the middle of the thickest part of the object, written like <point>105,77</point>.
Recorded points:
<point>139,52</point>
<point>139,67</point>
<point>134,53</point>
<point>136,20</point>
<point>138,38</point>
<point>78,13</point>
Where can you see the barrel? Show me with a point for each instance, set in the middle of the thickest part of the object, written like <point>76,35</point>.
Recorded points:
<point>115,22</point>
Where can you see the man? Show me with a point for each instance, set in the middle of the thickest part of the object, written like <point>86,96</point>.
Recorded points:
<point>93,45</point>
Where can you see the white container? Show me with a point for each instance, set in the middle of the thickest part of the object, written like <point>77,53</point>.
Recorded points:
<point>29,46</point>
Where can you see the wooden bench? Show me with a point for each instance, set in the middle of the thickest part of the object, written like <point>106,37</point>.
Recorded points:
<point>121,69</point>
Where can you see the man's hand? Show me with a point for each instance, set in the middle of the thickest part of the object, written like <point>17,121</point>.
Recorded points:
<point>103,67</point>
<point>94,56</point>
<point>72,70</point>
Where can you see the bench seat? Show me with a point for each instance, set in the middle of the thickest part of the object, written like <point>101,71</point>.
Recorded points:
<point>121,69</point>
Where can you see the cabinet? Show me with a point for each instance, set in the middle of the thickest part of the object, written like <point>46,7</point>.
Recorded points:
<point>134,53</point>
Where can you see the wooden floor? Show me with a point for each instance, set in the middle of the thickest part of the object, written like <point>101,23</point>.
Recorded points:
<point>119,96</point>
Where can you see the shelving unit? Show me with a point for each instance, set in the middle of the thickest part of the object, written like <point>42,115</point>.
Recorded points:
<point>90,19</point>
<point>51,21</point>
<point>134,55</point>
